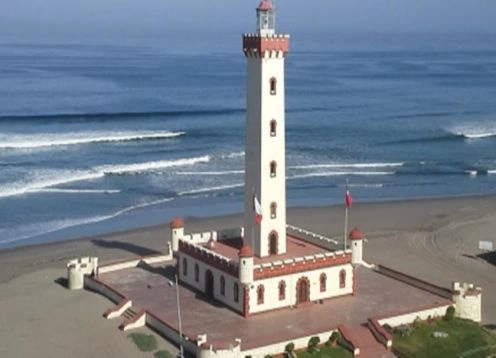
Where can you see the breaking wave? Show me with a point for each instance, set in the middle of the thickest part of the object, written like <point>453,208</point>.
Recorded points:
<point>343,173</point>
<point>52,140</point>
<point>66,177</point>
<point>226,172</point>
<point>210,189</point>
<point>356,165</point>
<point>477,135</point>
<point>149,166</point>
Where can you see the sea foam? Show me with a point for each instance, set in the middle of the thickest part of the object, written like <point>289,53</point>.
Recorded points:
<point>67,139</point>
<point>44,181</point>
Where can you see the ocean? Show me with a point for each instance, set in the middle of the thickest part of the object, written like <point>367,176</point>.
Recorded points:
<point>103,135</point>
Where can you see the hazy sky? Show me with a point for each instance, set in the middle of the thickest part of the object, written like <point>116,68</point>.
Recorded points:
<point>155,17</point>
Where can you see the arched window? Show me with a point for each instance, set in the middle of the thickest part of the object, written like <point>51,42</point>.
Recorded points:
<point>273,243</point>
<point>282,291</point>
<point>273,86</point>
<point>273,210</point>
<point>273,128</point>
<point>260,294</point>
<point>185,267</point>
<point>197,273</point>
<point>323,282</point>
<point>222,285</point>
<point>342,279</point>
<point>236,292</point>
<point>273,168</point>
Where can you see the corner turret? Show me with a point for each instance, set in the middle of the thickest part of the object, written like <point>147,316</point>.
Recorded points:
<point>356,239</point>
<point>177,233</point>
<point>245,255</point>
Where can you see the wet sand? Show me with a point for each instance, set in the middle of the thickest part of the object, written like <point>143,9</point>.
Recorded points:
<point>434,239</point>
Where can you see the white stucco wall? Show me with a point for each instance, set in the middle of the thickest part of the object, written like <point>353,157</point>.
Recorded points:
<point>262,148</point>
<point>228,298</point>
<point>271,288</point>
<point>277,348</point>
<point>410,317</point>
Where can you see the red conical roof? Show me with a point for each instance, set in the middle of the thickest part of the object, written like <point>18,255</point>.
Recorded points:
<point>265,5</point>
<point>245,251</point>
<point>176,223</point>
<point>356,234</point>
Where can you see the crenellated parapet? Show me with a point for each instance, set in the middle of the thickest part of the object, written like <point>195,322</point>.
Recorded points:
<point>209,257</point>
<point>468,301</point>
<point>301,264</point>
<point>255,45</point>
<point>77,268</point>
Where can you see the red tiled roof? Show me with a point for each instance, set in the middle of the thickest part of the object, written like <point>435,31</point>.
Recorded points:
<point>245,251</point>
<point>356,234</point>
<point>176,223</point>
<point>265,5</point>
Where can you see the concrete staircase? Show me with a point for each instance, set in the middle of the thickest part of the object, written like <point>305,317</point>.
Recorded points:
<point>128,315</point>
<point>369,346</point>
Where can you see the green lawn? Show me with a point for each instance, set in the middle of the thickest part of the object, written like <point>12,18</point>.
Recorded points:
<point>163,354</point>
<point>464,336</point>
<point>144,342</point>
<point>326,352</point>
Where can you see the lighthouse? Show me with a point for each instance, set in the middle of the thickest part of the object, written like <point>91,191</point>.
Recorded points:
<point>265,164</point>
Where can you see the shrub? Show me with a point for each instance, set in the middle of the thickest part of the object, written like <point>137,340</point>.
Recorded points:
<point>163,354</point>
<point>416,322</point>
<point>388,328</point>
<point>334,338</point>
<point>450,314</point>
<point>312,344</point>
<point>144,342</point>
<point>289,347</point>
<point>268,356</point>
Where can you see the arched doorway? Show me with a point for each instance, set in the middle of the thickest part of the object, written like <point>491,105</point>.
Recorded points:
<point>273,245</point>
<point>209,284</point>
<point>302,290</point>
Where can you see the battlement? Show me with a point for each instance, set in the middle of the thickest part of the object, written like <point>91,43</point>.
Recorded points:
<point>468,301</point>
<point>255,45</point>
<point>77,268</point>
<point>274,36</point>
<point>466,289</point>
<point>300,264</point>
<point>210,257</point>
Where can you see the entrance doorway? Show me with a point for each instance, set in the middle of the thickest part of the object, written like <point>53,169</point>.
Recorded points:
<point>209,284</point>
<point>302,290</point>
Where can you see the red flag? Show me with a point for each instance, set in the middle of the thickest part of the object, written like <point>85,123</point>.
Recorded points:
<point>257,208</point>
<point>347,199</point>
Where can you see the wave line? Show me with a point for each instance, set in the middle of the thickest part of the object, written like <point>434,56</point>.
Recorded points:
<point>30,143</point>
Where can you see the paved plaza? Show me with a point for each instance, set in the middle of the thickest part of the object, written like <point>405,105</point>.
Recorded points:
<point>152,288</point>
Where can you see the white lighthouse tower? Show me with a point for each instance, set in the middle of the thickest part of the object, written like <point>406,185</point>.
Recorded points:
<point>265,166</point>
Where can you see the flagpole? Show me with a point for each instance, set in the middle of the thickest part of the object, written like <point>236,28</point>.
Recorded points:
<point>253,221</point>
<point>345,226</point>
<point>346,217</point>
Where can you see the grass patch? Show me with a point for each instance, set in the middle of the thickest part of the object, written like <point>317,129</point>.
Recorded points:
<point>163,354</point>
<point>465,337</point>
<point>326,352</point>
<point>144,342</point>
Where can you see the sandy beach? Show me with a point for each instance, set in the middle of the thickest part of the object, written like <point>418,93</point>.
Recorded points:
<point>435,239</point>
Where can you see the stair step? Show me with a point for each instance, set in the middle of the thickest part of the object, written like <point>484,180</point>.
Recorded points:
<point>368,344</point>
<point>127,314</point>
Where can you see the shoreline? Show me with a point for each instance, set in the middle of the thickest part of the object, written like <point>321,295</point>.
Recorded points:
<point>371,217</point>
<point>112,233</point>
<point>432,239</point>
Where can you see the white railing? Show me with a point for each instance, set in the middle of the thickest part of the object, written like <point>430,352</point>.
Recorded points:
<point>312,234</point>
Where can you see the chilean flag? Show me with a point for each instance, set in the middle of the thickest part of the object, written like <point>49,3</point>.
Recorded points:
<point>257,208</point>
<point>347,199</point>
